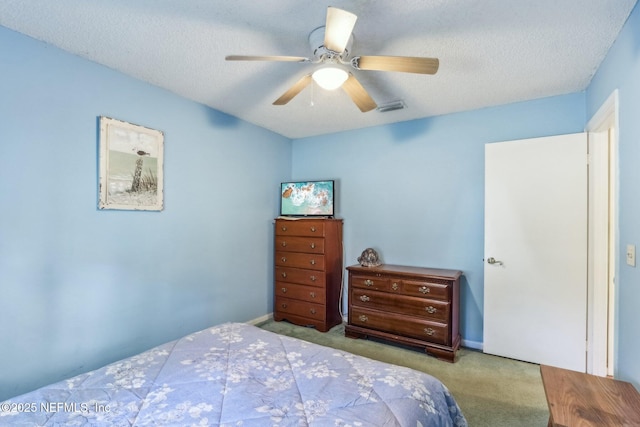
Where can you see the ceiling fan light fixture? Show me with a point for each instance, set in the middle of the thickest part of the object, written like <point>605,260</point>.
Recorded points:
<point>330,78</point>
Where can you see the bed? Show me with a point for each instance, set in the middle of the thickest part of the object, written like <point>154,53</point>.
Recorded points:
<point>236,374</point>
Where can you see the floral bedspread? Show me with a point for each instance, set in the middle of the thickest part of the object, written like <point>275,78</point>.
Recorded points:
<point>240,375</point>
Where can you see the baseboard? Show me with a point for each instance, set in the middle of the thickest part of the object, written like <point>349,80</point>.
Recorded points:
<point>475,345</point>
<point>261,319</point>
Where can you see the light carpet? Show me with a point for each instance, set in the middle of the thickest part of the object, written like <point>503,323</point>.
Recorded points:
<point>491,391</point>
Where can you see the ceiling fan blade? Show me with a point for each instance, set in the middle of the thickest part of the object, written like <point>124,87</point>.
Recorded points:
<point>266,58</point>
<point>358,94</point>
<point>293,90</point>
<point>338,29</point>
<point>405,64</point>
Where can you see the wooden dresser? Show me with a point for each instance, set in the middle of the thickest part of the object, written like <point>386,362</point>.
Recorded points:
<point>308,272</point>
<point>410,305</point>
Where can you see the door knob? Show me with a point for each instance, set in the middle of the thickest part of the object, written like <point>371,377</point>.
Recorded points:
<point>492,260</point>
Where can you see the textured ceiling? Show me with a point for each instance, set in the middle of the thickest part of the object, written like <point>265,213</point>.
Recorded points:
<point>491,52</point>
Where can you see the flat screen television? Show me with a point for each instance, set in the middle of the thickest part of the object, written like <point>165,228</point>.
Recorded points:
<point>307,198</point>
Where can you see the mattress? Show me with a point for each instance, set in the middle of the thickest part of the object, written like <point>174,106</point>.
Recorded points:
<point>236,374</point>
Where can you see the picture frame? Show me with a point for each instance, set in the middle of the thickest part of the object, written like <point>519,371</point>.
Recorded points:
<point>131,159</point>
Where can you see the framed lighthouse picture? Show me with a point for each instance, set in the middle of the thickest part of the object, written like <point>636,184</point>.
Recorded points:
<point>131,166</point>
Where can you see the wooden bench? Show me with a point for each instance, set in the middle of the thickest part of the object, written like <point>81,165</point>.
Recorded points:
<point>577,399</point>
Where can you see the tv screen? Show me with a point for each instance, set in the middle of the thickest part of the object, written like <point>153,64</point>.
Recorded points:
<point>307,198</point>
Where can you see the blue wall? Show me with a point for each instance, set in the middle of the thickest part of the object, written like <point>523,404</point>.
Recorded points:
<point>81,287</point>
<point>414,191</point>
<point>621,70</point>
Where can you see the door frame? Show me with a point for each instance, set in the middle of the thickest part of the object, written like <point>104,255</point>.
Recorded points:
<point>603,240</point>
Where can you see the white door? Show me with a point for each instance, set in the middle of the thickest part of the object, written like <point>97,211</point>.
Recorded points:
<point>535,280</point>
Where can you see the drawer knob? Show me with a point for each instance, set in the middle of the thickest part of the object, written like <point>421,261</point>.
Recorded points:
<point>429,331</point>
<point>431,309</point>
<point>363,318</point>
<point>284,274</point>
<point>312,294</point>
<point>312,311</point>
<point>283,305</point>
<point>425,289</point>
<point>284,228</point>
<point>313,245</point>
<point>395,286</point>
<point>313,229</point>
<point>368,282</point>
<point>284,290</point>
<point>283,244</point>
<point>313,278</point>
<point>313,262</point>
<point>364,298</point>
<point>283,259</point>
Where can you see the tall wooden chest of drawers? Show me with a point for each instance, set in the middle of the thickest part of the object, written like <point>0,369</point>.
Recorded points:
<point>308,272</point>
<point>410,305</point>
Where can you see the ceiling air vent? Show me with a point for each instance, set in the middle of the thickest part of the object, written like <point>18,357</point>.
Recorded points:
<point>391,106</point>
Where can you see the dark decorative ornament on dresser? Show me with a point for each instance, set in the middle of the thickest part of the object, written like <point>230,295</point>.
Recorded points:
<point>369,258</point>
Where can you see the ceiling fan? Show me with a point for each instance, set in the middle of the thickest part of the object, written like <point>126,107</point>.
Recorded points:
<point>331,47</point>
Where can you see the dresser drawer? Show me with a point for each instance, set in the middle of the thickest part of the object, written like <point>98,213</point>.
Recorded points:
<point>300,308</point>
<point>433,289</point>
<point>434,332</point>
<point>300,260</point>
<point>300,228</point>
<point>435,310</point>
<point>313,245</point>
<point>300,292</point>
<point>301,276</point>
<point>370,282</point>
